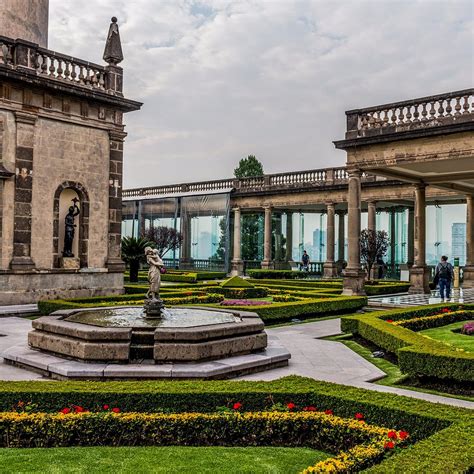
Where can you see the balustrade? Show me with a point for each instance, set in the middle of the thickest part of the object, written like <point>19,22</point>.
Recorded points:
<point>29,57</point>
<point>431,111</point>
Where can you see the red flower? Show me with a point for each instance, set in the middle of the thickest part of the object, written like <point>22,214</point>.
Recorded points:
<point>359,416</point>
<point>66,411</point>
<point>105,407</point>
<point>392,434</point>
<point>310,408</point>
<point>21,404</point>
<point>389,320</point>
<point>237,406</point>
<point>389,445</point>
<point>328,412</point>
<point>116,410</point>
<point>445,310</point>
<point>403,434</point>
<point>78,409</point>
<point>291,406</point>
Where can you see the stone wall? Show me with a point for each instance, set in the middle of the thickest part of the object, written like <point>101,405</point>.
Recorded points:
<point>66,152</point>
<point>29,287</point>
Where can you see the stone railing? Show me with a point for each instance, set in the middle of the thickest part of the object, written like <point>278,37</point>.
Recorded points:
<point>30,58</point>
<point>425,112</point>
<point>269,183</point>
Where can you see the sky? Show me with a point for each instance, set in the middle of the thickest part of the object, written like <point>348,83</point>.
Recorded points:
<point>224,79</point>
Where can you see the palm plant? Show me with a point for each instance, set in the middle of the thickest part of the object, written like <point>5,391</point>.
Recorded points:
<point>133,252</point>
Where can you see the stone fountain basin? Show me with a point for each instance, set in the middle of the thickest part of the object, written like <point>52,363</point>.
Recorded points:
<point>234,333</point>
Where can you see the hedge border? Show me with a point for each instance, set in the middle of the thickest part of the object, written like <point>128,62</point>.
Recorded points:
<point>417,355</point>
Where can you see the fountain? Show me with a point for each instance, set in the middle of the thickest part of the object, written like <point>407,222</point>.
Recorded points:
<point>131,342</point>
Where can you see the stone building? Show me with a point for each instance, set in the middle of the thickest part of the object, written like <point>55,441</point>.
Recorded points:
<point>61,139</point>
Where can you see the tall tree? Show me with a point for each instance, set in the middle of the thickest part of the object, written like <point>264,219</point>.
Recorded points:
<point>373,247</point>
<point>164,239</point>
<point>248,167</point>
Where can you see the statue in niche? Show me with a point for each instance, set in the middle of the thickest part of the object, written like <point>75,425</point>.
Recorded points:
<point>69,230</point>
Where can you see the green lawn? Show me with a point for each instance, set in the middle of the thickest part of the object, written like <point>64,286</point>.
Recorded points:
<point>446,334</point>
<point>158,459</point>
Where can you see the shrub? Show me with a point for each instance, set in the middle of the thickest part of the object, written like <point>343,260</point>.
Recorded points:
<point>180,277</point>
<point>205,275</point>
<point>417,355</point>
<point>244,303</point>
<point>276,274</point>
<point>236,282</point>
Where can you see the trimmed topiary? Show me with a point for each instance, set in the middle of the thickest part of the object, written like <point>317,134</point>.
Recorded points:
<point>236,282</point>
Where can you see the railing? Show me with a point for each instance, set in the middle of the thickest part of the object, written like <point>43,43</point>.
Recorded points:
<point>269,182</point>
<point>29,57</point>
<point>431,111</point>
<point>251,265</point>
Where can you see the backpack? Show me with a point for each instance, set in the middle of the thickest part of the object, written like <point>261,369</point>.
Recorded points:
<point>444,272</point>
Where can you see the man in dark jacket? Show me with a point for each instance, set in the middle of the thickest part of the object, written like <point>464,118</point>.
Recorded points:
<point>444,274</point>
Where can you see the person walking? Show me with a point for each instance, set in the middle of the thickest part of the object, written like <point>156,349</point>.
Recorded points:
<point>305,261</point>
<point>444,275</point>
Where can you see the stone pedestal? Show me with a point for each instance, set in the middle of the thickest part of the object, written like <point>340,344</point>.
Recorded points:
<point>420,280</point>
<point>330,270</point>
<point>70,263</point>
<point>353,282</point>
<point>468,277</point>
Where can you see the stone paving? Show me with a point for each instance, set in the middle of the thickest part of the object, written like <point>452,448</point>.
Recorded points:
<point>329,361</point>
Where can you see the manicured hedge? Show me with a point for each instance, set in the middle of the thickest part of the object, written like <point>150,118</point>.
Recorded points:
<point>417,355</point>
<point>306,308</point>
<point>276,274</point>
<point>240,293</point>
<point>312,429</point>
<point>386,288</point>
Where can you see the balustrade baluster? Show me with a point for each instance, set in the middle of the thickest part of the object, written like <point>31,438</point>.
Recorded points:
<point>409,115</point>
<point>416,114</point>
<point>424,112</point>
<point>385,118</point>
<point>59,70</point>
<point>466,104</point>
<point>448,108</point>
<point>457,107</point>
<point>440,108</point>
<point>401,117</point>
<point>52,66</point>
<point>394,115</point>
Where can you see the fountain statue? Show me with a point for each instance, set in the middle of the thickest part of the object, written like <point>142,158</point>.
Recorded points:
<point>153,303</point>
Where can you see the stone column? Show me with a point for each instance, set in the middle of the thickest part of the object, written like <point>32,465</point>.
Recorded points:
<point>267,241</point>
<point>278,239</point>
<point>329,269</point>
<point>354,277</point>
<point>411,237</point>
<point>25,135</point>
<point>419,273</point>
<point>468,272</point>
<point>341,237</point>
<point>237,265</point>
<point>114,261</point>
<point>289,238</point>
<point>185,255</point>
<point>372,225</point>
<point>393,236</point>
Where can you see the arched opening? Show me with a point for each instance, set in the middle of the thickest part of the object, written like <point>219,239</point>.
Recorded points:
<point>63,199</point>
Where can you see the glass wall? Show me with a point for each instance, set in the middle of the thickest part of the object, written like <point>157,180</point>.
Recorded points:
<point>203,220</point>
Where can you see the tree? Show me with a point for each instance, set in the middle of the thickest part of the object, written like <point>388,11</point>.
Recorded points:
<point>373,247</point>
<point>248,167</point>
<point>133,252</point>
<point>164,239</point>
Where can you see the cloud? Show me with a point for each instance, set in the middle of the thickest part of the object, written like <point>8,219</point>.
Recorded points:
<point>224,79</point>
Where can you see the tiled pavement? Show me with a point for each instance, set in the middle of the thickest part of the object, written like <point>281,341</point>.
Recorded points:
<point>457,296</point>
<point>311,357</point>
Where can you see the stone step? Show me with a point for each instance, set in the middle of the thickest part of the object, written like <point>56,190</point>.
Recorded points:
<point>143,337</point>
<point>141,351</point>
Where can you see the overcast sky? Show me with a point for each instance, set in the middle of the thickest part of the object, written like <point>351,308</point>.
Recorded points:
<point>224,79</point>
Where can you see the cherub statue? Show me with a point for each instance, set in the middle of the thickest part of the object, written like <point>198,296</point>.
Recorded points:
<point>154,272</point>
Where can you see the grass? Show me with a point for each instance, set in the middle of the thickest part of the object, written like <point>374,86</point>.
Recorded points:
<point>394,377</point>
<point>446,334</point>
<point>159,459</point>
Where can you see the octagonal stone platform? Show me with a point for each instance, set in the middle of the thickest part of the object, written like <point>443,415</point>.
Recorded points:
<point>62,348</point>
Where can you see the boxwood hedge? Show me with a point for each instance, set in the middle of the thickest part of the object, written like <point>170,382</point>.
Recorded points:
<point>417,355</point>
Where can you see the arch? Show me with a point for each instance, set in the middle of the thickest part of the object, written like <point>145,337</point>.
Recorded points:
<point>83,226</point>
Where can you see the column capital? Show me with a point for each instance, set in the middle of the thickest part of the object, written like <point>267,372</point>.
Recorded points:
<point>420,185</point>
<point>236,209</point>
<point>330,204</point>
<point>267,207</point>
<point>354,173</point>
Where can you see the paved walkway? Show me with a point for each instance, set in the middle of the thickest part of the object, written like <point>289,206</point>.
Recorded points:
<point>311,357</point>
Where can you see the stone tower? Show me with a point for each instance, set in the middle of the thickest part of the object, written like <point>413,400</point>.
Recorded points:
<point>25,19</point>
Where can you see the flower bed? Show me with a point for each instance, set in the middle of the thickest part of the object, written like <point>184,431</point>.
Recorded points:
<point>417,355</point>
<point>244,303</point>
<point>358,443</point>
<point>468,328</point>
